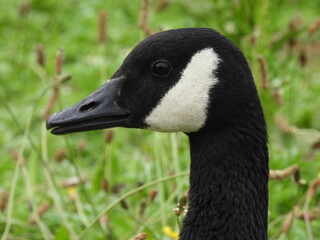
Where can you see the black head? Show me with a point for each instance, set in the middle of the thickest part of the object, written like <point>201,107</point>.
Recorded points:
<point>177,80</point>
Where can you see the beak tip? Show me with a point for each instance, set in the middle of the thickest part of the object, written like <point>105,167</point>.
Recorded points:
<point>97,111</point>
<point>49,122</point>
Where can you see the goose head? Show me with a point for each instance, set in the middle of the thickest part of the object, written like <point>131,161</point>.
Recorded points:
<point>197,82</point>
<point>183,80</point>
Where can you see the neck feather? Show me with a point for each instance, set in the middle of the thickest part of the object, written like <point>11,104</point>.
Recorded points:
<point>228,185</point>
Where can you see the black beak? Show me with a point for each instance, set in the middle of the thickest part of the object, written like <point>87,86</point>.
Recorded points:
<point>97,111</point>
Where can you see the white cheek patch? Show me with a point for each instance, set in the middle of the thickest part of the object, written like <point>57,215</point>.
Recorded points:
<point>184,107</point>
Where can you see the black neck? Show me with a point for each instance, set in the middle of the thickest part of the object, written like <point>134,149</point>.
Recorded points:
<point>228,196</point>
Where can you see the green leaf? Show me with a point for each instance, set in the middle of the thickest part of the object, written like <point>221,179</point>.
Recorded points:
<point>62,234</point>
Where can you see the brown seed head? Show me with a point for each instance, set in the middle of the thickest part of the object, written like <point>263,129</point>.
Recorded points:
<point>124,205</point>
<point>105,185</point>
<point>102,22</point>
<point>52,100</point>
<point>42,210</point>
<point>314,27</point>
<point>4,199</point>
<point>313,187</point>
<point>287,224</point>
<point>143,18</point>
<point>303,58</point>
<point>263,72</point>
<point>140,236</point>
<point>24,9</point>
<point>117,188</point>
<point>162,5</point>
<point>60,155</point>
<point>295,24</point>
<point>277,97</point>
<point>316,145</point>
<point>108,135</point>
<point>81,145</point>
<point>153,194</point>
<point>283,125</point>
<point>41,60</point>
<point>59,61</point>
<point>143,206</point>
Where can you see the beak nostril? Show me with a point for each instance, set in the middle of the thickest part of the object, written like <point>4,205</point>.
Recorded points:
<point>88,107</point>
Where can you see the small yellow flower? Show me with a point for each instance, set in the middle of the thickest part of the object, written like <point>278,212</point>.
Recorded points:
<point>73,193</point>
<point>170,233</point>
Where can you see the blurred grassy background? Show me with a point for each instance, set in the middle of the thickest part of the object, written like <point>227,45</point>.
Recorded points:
<point>41,196</point>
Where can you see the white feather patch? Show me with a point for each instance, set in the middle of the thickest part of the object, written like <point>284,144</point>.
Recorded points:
<point>184,107</point>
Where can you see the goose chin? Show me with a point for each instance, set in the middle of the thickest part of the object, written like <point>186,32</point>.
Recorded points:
<point>97,111</point>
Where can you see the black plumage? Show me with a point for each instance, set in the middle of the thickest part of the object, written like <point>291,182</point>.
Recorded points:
<point>229,157</point>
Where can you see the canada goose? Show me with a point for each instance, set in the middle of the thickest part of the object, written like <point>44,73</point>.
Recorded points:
<point>198,82</point>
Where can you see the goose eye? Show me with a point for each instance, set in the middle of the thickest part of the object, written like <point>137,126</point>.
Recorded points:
<point>161,68</point>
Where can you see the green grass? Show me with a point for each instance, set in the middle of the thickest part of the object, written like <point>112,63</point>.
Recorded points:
<point>136,157</point>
